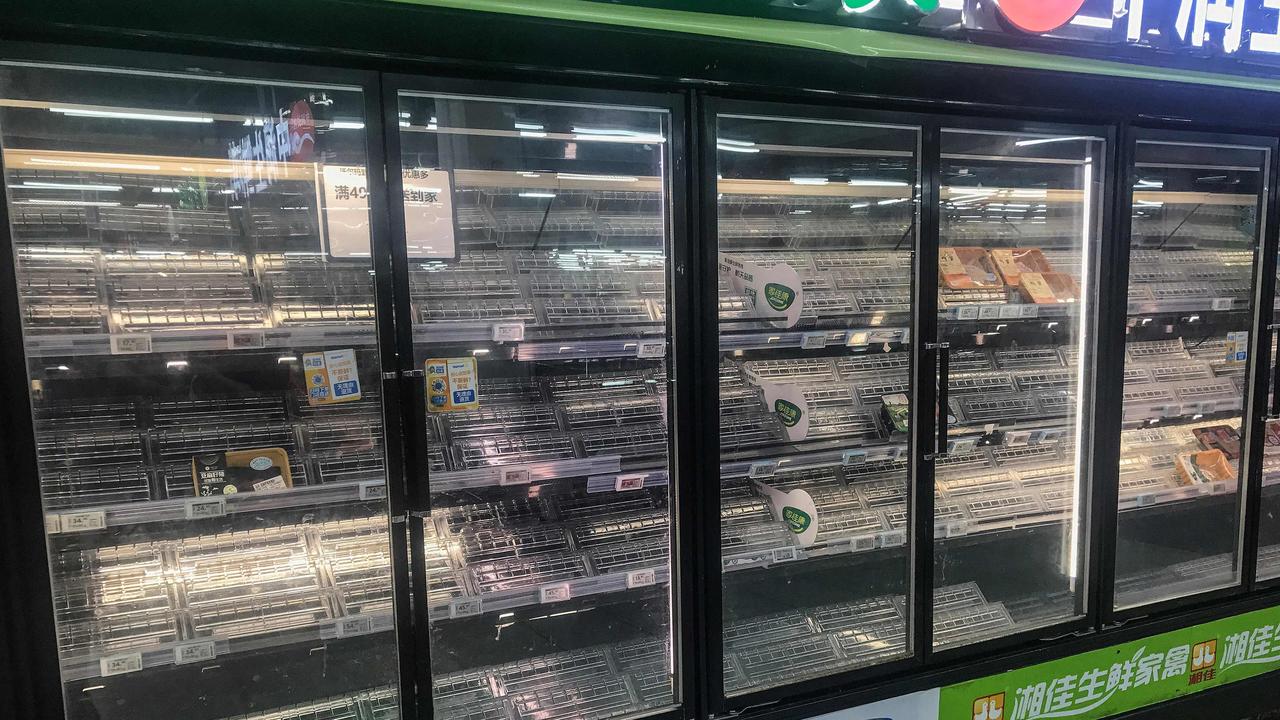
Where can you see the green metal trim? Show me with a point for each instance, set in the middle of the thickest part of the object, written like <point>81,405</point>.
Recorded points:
<point>858,42</point>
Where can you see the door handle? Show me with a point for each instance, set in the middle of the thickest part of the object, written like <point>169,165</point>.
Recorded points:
<point>943,351</point>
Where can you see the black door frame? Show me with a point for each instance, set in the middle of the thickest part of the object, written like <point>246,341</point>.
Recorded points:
<point>37,631</point>
<point>682,347</point>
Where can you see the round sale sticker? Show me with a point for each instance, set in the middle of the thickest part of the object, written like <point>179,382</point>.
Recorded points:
<point>1039,16</point>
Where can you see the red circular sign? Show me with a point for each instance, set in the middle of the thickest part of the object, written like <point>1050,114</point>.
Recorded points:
<point>1039,16</point>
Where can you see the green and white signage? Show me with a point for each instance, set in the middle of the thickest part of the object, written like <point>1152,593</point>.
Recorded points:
<point>1126,677</point>
<point>1102,683</point>
<point>796,509</point>
<point>773,291</point>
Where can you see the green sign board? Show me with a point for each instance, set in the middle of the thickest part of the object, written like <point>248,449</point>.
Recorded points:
<point>1126,677</point>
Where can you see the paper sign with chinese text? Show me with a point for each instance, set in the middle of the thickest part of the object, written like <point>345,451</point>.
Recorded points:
<point>453,384</point>
<point>332,377</point>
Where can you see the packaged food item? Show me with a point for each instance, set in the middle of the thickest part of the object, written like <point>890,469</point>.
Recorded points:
<point>1049,288</point>
<point>897,412</point>
<point>1273,433</point>
<point>1013,262</point>
<point>963,268</point>
<point>1219,437</point>
<point>1206,467</point>
<point>234,471</point>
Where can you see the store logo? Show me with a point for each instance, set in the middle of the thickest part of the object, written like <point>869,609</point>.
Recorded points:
<point>788,411</point>
<point>1039,16</point>
<point>779,296</point>
<point>925,7</point>
<point>990,707</point>
<point>796,519</point>
<point>1204,655</point>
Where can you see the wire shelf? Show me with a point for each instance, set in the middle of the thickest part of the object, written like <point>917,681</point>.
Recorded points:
<point>496,420</point>
<point>633,442</point>
<point>590,311</point>
<point>513,449</point>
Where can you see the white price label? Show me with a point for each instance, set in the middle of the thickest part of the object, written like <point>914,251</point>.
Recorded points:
<point>858,339</point>
<point>246,340</point>
<point>131,344</point>
<point>784,555</point>
<point>1222,303</point>
<point>1145,500</point>
<point>651,349</point>
<point>957,528</point>
<point>514,476</point>
<point>989,312</point>
<point>52,524</point>
<point>854,457</point>
<point>813,341</point>
<point>373,490</point>
<point>864,543</point>
<point>195,652</point>
<point>762,469</point>
<point>893,538</point>
<point>1010,312</point>
<point>352,626</point>
<point>465,607</point>
<point>120,664</point>
<point>1029,310</point>
<point>84,521</point>
<point>642,578</point>
<point>968,312</point>
<point>629,482</point>
<point>554,593</point>
<point>508,332</point>
<point>211,507</point>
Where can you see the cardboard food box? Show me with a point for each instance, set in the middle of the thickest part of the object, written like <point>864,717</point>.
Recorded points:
<point>963,268</point>
<point>1205,468</point>
<point>1013,262</point>
<point>234,471</point>
<point>1273,433</point>
<point>1219,437</point>
<point>1050,288</point>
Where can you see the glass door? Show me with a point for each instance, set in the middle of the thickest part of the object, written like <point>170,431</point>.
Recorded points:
<point>538,238</point>
<point>193,264</point>
<point>1198,216</point>
<point>816,247</point>
<point>1020,227</point>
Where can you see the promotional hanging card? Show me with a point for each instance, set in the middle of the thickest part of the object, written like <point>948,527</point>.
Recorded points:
<point>774,292</point>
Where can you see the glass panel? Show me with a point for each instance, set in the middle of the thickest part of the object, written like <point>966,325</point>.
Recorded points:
<point>1192,251</point>
<point>544,345</point>
<point>205,381</point>
<point>1019,242</point>
<point>817,232</point>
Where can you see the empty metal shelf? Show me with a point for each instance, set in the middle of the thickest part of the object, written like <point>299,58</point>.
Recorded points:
<point>504,450</point>
<point>633,442</point>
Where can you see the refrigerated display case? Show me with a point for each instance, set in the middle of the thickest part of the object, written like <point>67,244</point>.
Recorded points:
<point>204,377</point>
<point>718,389</point>
<point>816,233</point>
<point>540,320</point>
<point>1199,212</point>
